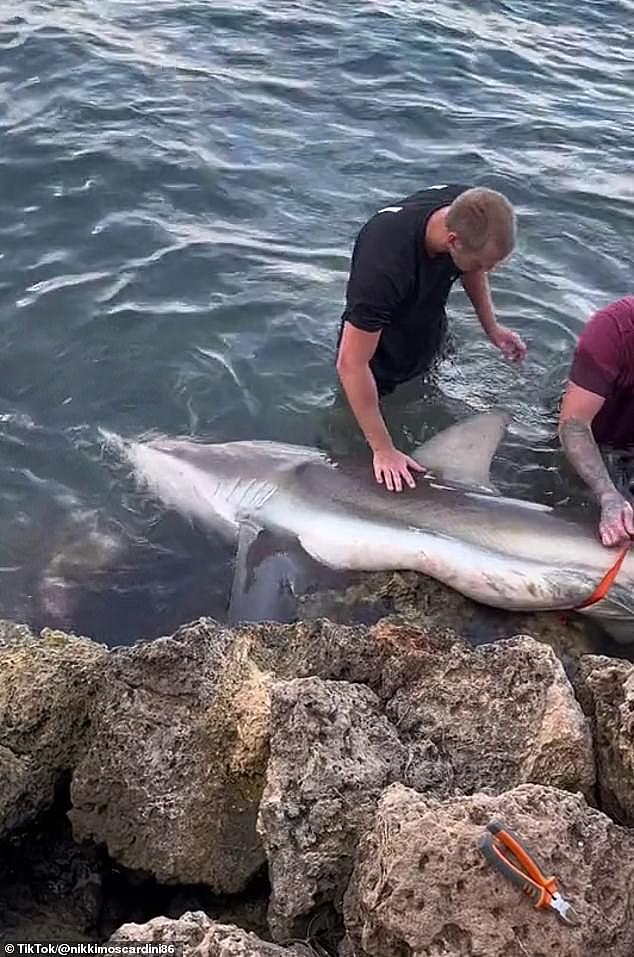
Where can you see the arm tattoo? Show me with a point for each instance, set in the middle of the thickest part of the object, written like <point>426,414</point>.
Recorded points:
<point>584,455</point>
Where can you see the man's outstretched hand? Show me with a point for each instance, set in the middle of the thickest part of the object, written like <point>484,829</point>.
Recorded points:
<point>510,344</point>
<point>392,468</point>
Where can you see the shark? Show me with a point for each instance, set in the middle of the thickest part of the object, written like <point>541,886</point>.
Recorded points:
<point>454,525</point>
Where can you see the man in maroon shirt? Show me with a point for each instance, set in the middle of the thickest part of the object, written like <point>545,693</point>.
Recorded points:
<point>598,410</point>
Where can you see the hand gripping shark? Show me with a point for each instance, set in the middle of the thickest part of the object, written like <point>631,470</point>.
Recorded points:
<point>453,526</point>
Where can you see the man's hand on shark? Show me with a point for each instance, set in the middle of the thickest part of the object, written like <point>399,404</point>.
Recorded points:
<point>392,466</point>
<point>617,520</point>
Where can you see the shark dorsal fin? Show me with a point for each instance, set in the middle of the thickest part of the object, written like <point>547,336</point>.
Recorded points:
<point>462,453</point>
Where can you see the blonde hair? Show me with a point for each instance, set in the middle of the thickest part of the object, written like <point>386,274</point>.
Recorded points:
<point>480,217</point>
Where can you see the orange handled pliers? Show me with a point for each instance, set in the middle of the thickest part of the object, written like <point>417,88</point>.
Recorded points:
<point>496,841</point>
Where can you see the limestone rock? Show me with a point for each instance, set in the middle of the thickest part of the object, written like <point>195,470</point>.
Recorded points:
<point>173,778</point>
<point>332,753</point>
<point>203,937</point>
<point>47,683</point>
<point>421,886</point>
<point>606,689</point>
<point>490,718</point>
<point>485,718</point>
<point>460,720</point>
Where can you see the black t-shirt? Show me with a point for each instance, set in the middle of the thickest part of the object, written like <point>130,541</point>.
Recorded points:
<point>396,288</point>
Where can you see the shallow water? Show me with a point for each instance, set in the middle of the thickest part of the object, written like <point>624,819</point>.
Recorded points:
<point>181,188</point>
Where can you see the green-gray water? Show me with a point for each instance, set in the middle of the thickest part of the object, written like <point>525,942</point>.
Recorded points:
<point>181,186</point>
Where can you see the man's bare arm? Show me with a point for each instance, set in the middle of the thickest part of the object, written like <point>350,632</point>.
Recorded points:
<point>583,453</point>
<point>578,409</point>
<point>353,367</point>
<point>476,286</point>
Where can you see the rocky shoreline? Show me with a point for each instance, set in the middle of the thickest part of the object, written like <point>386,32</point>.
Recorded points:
<point>319,787</point>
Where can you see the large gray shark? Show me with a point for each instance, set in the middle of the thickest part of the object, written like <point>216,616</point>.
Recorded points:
<point>453,526</point>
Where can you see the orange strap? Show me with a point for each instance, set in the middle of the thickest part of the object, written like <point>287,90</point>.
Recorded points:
<point>607,581</point>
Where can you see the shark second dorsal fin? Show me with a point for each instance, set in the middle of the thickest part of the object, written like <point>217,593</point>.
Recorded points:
<point>463,452</point>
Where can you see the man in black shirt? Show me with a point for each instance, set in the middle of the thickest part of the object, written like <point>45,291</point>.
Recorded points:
<point>404,262</point>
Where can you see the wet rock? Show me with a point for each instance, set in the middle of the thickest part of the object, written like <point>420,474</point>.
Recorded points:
<point>203,937</point>
<point>431,604</point>
<point>386,656</point>
<point>173,778</point>
<point>332,753</point>
<point>421,886</point>
<point>605,688</point>
<point>47,683</point>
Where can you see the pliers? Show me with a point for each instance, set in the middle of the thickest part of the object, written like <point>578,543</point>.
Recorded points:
<point>496,841</point>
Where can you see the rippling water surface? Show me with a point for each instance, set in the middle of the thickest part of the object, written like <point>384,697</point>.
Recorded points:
<point>181,187</point>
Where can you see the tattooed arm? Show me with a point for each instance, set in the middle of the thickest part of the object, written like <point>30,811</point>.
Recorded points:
<point>578,409</point>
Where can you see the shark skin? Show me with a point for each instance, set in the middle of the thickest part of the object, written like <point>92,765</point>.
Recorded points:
<point>454,526</point>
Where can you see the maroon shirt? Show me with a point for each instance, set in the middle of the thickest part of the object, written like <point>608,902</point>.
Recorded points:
<point>604,364</point>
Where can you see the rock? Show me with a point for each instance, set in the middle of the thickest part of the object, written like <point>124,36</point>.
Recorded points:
<point>432,605</point>
<point>23,787</point>
<point>173,778</point>
<point>460,720</point>
<point>50,888</point>
<point>247,910</point>
<point>490,718</point>
<point>605,688</point>
<point>323,649</point>
<point>421,886</point>
<point>332,753</point>
<point>202,937</point>
<point>485,718</point>
<point>47,684</point>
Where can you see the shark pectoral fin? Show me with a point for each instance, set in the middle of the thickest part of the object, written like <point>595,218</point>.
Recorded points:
<point>270,571</point>
<point>247,535</point>
<point>463,452</point>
